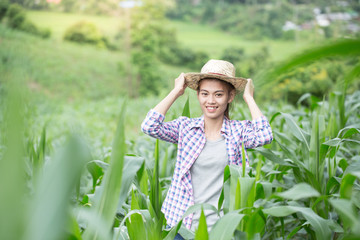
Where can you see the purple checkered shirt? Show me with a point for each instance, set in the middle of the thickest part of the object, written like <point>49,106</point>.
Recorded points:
<point>189,134</point>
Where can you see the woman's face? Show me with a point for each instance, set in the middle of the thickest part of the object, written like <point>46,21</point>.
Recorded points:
<point>214,96</point>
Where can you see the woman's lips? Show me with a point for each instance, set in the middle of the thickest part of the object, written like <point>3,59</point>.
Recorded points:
<point>211,108</point>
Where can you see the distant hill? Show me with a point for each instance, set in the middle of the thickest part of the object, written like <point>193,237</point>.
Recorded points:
<point>60,70</point>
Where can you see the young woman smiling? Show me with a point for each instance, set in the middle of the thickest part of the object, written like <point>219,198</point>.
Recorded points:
<point>208,143</point>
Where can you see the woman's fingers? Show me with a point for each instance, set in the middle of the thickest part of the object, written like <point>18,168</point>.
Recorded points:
<point>249,88</point>
<point>180,83</point>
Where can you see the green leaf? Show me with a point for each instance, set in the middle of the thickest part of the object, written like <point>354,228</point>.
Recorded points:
<point>348,213</point>
<point>319,224</point>
<point>346,186</point>
<point>155,193</point>
<point>296,130</point>
<point>247,191</point>
<point>12,164</point>
<point>95,171</point>
<point>41,150</point>
<point>224,190</point>
<point>263,190</point>
<point>51,200</point>
<point>348,132</point>
<point>332,185</point>
<point>237,203</point>
<point>255,224</point>
<point>107,206</point>
<point>136,224</point>
<point>270,155</point>
<point>293,232</point>
<point>143,179</point>
<point>299,191</point>
<point>132,166</point>
<point>202,232</point>
<point>333,142</point>
<point>198,207</point>
<point>74,227</point>
<point>121,233</point>
<point>186,109</point>
<point>224,228</point>
<point>342,48</point>
<point>243,159</point>
<point>171,235</point>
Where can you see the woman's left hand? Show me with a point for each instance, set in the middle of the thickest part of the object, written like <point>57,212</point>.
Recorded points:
<point>249,90</point>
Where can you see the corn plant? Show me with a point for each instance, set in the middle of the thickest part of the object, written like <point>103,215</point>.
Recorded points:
<point>305,185</point>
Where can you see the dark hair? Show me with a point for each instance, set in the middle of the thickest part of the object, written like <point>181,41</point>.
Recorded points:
<point>230,88</point>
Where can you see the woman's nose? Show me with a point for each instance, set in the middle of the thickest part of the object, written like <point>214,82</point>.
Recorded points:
<point>211,99</point>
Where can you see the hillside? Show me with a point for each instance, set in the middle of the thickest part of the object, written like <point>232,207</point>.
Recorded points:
<point>60,70</point>
<point>193,35</point>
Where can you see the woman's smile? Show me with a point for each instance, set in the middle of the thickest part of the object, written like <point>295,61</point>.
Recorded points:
<point>211,108</point>
<point>213,96</point>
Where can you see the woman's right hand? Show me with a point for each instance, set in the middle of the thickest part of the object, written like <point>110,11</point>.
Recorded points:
<point>180,84</point>
<point>179,89</point>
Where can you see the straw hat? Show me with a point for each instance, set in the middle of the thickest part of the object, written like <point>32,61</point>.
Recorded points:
<point>217,69</point>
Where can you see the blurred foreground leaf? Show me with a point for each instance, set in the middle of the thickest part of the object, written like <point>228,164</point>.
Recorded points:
<point>51,203</point>
<point>110,193</point>
<point>12,172</point>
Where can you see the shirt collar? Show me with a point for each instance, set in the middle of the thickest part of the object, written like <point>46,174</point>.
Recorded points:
<point>199,123</point>
<point>225,128</point>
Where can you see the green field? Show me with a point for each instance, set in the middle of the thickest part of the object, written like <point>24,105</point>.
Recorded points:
<point>192,35</point>
<point>75,165</point>
<point>58,22</point>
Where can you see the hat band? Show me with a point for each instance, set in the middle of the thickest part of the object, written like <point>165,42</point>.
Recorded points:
<point>218,74</point>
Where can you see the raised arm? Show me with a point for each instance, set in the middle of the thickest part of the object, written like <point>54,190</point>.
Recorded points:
<point>249,99</point>
<point>179,89</point>
<point>154,124</point>
<point>258,131</point>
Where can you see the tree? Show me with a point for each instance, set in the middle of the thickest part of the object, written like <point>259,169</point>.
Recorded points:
<point>147,27</point>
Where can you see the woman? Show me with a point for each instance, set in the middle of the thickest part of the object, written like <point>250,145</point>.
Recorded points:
<point>206,144</point>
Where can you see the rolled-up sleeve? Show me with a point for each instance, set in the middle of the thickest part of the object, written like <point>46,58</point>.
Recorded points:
<point>154,126</point>
<point>257,133</point>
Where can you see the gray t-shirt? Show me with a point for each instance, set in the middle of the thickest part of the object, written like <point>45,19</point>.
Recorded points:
<point>207,178</point>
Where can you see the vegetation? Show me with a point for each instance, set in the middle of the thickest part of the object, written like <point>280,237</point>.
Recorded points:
<point>86,32</point>
<point>71,154</point>
<point>16,19</point>
<point>309,191</point>
<point>265,19</point>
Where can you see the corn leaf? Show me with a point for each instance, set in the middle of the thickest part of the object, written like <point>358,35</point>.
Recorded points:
<point>186,109</point>
<point>299,191</point>
<point>155,193</point>
<point>296,130</point>
<point>348,213</point>
<point>12,171</point>
<point>224,228</point>
<point>107,206</point>
<point>319,224</point>
<point>52,195</point>
<point>342,48</point>
<point>171,235</point>
<point>346,186</point>
<point>132,166</point>
<point>202,232</point>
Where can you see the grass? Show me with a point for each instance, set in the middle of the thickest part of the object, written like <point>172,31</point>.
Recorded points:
<point>207,38</point>
<point>58,22</point>
<point>61,71</point>
<point>193,35</point>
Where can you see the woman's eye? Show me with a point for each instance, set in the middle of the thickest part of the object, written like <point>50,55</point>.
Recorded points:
<point>218,95</point>
<point>203,94</point>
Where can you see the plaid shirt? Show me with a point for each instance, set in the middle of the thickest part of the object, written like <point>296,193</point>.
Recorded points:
<point>189,134</point>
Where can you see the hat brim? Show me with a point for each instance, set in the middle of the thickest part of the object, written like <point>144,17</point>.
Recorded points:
<point>192,80</point>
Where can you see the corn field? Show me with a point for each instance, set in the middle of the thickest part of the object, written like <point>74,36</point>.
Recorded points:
<point>305,185</point>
